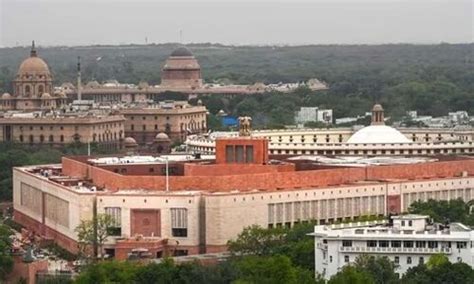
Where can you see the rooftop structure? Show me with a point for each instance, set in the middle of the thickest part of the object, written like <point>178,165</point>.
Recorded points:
<point>406,240</point>
<point>180,204</point>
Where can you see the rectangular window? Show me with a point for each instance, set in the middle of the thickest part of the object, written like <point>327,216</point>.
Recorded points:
<point>420,244</point>
<point>371,243</point>
<point>116,214</point>
<point>422,260</point>
<point>396,244</point>
<point>347,243</point>
<point>383,244</point>
<point>432,244</point>
<point>271,213</point>
<point>249,154</point>
<point>461,245</point>
<point>409,260</point>
<point>408,244</point>
<point>297,210</point>
<point>288,211</point>
<point>239,154</point>
<point>346,259</point>
<point>229,154</point>
<point>179,222</point>
<point>397,260</point>
<point>279,212</point>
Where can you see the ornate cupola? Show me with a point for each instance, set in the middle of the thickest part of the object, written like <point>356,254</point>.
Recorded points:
<point>378,115</point>
<point>33,78</point>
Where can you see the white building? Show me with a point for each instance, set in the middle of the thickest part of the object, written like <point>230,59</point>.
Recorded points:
<point>406,240</point>
<point>308,114</point>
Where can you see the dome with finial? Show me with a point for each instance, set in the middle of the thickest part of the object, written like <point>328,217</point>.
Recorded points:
<point>129,142</point>
<point>378,132</point>
<point>34,65</point>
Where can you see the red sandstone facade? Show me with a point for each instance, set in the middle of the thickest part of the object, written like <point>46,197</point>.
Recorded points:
<point>209,202</point>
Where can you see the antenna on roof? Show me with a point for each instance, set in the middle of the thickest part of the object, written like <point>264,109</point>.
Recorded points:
<point>33,49</point>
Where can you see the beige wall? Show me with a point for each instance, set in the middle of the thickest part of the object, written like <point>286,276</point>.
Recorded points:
<point>106,130</point>
<point>79,206</point>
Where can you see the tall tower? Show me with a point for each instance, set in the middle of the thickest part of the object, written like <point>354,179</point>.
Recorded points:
<point>79,82</point>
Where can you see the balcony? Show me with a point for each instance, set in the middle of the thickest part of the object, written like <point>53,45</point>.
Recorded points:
<point>322,246</point>
<point>395,250</point>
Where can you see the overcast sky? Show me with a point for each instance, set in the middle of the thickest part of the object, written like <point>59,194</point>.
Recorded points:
<point>74,22</point>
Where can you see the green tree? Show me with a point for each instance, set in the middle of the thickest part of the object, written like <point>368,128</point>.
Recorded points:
<point>94,232</point>
<point>6,260</point>
<point>109,272</point>
<point>381,269</point>
<point>352,275</point>
<point>271,270</point>
<point>441,210</point>
<point>256,240</point>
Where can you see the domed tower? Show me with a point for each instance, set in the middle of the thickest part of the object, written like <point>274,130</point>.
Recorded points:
<point>162,143</point>
<point>378,115</point>
<point>181,70</point>
<point>33,77</point>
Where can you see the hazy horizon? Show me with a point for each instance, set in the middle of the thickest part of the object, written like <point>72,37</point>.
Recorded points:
<point>106,22</point>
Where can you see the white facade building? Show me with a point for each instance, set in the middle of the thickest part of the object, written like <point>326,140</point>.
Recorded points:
<point>406,240</point>
<point>308,114</point>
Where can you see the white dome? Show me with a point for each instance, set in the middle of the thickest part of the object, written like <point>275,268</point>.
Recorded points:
<point>378,134</point>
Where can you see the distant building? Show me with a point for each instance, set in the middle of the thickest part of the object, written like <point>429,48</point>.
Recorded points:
<point>407,240</point>
<point>33,87</point>
<point>181,70</point>
<point>177,119</point>
<point>313,114</point>
<point>181,73</point>
<point>374,140</point>
<point>35,128</point>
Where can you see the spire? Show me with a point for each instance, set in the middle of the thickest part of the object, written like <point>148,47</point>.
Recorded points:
<point>79,83</point>
<point>33,49</point>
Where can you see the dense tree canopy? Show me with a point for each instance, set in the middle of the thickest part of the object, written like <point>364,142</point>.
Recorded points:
<point>432,79</point>
<point>6,260</point>
<point>455,210</point>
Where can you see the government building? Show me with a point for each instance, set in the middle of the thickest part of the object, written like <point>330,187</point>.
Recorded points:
<point>39,113</point>
<point>377,139</point>
<point>407,240</point>
<point>192,204</point>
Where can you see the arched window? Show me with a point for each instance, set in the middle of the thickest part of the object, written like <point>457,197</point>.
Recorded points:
<point>21,138</point>
<point>51,138</point>
<point>32,139</point>
<point>27,90</point>
<point>61,138</point>
<point>41,138</point>
<point>40,89</point>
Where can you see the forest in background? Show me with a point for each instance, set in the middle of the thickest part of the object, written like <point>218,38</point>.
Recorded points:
<point>432,79</point>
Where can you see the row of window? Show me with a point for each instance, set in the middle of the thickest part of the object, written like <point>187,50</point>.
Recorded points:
<point>290,212</point>
<point>372,152</point>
